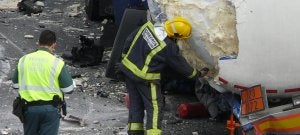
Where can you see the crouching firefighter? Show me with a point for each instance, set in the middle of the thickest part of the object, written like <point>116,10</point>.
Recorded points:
<point>147,51</point>
<point>41,79</point>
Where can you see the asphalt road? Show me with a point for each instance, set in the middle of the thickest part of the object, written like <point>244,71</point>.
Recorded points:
<point>102,115</point>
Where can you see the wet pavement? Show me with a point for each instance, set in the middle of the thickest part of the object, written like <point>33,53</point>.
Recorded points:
<point>103,115</point>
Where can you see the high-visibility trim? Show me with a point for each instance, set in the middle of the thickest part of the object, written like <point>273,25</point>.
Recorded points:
<point>193,74</point>
<point>39,88</point>
<point>135,126</point>
<point>154,105</point>
<point>31,88</point>
<point>288,123</point>
<point>15,85</point>
<point>52,73</point>
<point>153,53</point>
<point>48,88</point>
<point>22,83</point>
<point>154,132</point>
<point>68,89</point>
<point>133,68</point>
<point>136,37</point>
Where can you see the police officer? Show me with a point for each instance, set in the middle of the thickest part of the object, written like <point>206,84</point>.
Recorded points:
<point>147,52</point>
<point>42,79</point>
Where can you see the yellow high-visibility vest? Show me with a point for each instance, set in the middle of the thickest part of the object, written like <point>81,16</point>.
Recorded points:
<point>38,74</point>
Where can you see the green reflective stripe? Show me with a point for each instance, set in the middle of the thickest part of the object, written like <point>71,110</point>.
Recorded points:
<point>135,126</point>
<point>154,132</point>
<point>39,88</point>
<point>52,73</point>
<point>193,74</point>
<point>135,70</point>
<point>22,83</point>
<point>154,105</point>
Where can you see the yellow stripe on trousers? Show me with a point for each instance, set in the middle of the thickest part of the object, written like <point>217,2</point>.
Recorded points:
<point>155,106</point>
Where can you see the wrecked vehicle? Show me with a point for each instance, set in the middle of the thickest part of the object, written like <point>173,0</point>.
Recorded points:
<point>248,46</point>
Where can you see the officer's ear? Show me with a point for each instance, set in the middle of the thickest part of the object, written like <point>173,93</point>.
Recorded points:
<point>52,47</point>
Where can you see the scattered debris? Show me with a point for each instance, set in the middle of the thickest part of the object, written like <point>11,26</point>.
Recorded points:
<point>71,118</point>
<point>195,133</point>
<point>96,122</point>
<point>8,4</point>
<point>73,10</point>
<point>42,26</point>
<point>102,94</point>
<point>29,6</point>
<point>69,28</point>
<point>39,3</point>
<point>4,132</point>
<point>90,53</point>
<point>28,36</point>
<point>56,10</point>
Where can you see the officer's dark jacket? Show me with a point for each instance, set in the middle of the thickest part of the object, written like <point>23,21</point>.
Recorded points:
<point>145,56</point>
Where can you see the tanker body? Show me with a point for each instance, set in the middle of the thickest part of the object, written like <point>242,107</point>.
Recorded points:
<point>245,42</point>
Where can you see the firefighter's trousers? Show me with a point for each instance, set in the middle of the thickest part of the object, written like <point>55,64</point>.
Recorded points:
<point>145,96</point>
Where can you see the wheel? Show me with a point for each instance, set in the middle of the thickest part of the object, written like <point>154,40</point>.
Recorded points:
<point>91,9</point>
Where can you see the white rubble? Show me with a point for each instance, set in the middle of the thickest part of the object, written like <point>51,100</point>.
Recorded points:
<point>9,4</point>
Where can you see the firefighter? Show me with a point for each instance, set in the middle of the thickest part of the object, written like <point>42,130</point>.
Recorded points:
<point>42,79</point>
<point>147,51</point>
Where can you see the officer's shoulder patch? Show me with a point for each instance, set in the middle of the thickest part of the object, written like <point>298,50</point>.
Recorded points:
<point>148,36</point>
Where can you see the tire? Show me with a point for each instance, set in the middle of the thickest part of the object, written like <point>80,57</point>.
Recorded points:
<point>98,10</point>
<point>91,9</point>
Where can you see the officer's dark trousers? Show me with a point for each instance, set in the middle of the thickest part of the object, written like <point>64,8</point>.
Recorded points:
<point>144,96</point>
<point>41,120</point>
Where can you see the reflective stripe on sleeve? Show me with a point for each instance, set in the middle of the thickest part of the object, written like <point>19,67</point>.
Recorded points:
<point>15,85</point>
<point>68,89</point>
<point>193,74</point>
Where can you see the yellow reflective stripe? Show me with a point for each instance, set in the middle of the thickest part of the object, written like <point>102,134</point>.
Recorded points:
<point>135,70</point>
<point>154,105</point>
<point>132,67</point>
<point>154,132</point>
<point>280,124</point>
<point>123,55</point>
<point>136,37</point>
<point>153,52</point>
<point>135,126</point>
<point>193,74</point>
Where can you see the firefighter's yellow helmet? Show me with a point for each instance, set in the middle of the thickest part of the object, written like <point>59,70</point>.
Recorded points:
<point>178,27</point>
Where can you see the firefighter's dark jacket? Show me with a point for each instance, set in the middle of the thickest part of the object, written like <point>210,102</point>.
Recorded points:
<point>145,56</point>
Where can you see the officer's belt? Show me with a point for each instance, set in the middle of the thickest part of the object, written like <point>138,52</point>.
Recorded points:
<point>39,103</point>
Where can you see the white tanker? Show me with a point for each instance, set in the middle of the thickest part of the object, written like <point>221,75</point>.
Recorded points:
<point>245,42</point>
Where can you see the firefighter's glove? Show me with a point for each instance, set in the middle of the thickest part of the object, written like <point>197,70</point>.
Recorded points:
<point>119,74</point>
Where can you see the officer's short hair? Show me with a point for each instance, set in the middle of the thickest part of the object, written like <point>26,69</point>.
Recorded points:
<point>47,38</point>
